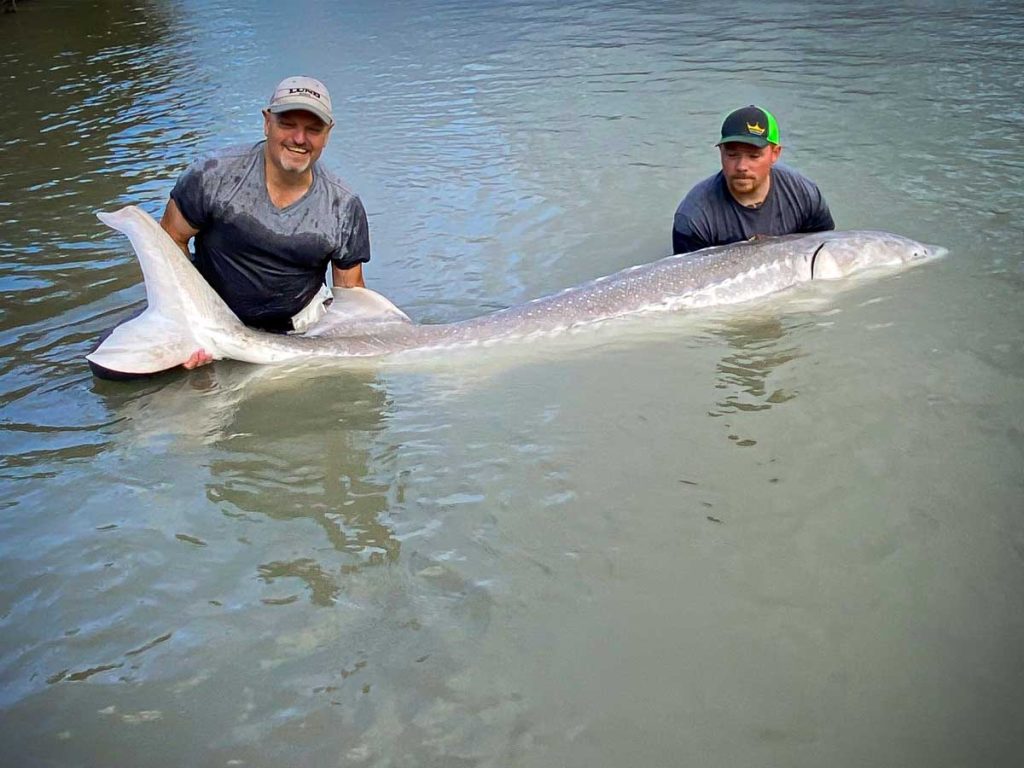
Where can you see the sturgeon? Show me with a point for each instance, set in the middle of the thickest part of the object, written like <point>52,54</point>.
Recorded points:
<point>184,313</point>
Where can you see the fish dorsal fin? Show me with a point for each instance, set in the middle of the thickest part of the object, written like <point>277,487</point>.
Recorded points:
<point>353,309</point>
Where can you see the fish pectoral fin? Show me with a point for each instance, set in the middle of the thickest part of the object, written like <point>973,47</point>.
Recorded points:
<point>366,305</point>
<point>355,308</point>
<point>149,343</point>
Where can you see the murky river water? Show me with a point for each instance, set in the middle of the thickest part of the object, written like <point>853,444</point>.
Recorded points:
<point>789,534</point>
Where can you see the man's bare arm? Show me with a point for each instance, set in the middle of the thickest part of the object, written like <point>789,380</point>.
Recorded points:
<point>348,278</point>
<point>177,227</point>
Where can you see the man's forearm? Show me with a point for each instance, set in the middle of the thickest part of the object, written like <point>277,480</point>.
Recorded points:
<point>347,278</point>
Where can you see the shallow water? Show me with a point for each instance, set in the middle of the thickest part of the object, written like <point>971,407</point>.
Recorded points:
<point>791,533</point>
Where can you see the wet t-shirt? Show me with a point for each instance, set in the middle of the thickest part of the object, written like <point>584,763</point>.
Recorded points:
<point>267,263</point>
<point>709,215</point>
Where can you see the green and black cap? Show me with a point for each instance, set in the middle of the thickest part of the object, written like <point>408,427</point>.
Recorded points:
<point>750,125</point>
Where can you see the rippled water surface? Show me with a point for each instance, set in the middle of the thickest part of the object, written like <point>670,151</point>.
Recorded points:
<point>791,533</point>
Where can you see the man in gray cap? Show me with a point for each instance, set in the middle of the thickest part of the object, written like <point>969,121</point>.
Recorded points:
<point>751,195</point>
<point>268,217</point>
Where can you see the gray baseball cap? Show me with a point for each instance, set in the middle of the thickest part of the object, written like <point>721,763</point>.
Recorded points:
<point>302,92</point>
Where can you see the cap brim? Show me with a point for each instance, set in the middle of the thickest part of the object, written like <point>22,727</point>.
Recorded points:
<point>744,139</point>
<point>303,106</point>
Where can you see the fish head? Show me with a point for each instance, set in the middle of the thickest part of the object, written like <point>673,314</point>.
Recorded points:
<point>842,254</point>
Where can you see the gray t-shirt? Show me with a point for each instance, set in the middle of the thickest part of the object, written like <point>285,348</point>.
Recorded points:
<point>266,262</point>
<point>709,215</point>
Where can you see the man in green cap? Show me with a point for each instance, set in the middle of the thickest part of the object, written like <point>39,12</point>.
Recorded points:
<point>751,196</point>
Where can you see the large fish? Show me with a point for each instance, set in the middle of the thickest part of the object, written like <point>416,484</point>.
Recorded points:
<point>184,314</point>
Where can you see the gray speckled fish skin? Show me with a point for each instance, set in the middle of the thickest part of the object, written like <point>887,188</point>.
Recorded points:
<point>185,314</point>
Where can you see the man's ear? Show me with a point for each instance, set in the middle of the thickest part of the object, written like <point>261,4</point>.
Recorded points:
<point>266,123</point>
<point>776,152</point>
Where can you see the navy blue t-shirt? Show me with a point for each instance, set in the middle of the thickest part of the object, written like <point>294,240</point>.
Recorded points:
<point>267,263</point>
<point>709,215</point>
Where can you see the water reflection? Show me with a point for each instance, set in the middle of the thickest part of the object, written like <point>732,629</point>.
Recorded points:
<point>283,445</point>
<point>759,349</point>
<point>315,458</point>
<point>279,548</point>
<point>188,568</point>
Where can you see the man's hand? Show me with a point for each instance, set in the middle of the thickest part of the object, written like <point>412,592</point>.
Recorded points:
<point>198,358</point>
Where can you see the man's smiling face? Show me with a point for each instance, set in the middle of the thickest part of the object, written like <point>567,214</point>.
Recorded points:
<point>295,139</point>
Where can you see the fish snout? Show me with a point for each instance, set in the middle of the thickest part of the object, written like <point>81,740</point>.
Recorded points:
<point>918,252</point>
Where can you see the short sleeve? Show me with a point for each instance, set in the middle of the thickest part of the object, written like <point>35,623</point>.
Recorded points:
<point>355,241</point>
<point>188,194</point>
<point>689,230</point>
<point>820,219</point>
<point>685,237</point>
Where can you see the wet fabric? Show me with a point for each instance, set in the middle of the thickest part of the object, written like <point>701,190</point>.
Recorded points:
<point>267,263</point>
<point>709,215</point>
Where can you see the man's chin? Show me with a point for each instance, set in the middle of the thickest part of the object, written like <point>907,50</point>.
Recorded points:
<point>295,163</point>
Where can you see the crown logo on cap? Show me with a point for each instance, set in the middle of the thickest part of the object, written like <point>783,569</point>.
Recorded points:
<point>755,129</point>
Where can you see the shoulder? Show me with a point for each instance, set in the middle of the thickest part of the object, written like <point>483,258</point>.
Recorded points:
<point>706,189</point>
<point>336,191</point>
<point>799,201</point>
<point>705,194</point>
<point>792,179</point>
<point>224,159</point>
<point>333,184</point>
<point>214,178</point>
